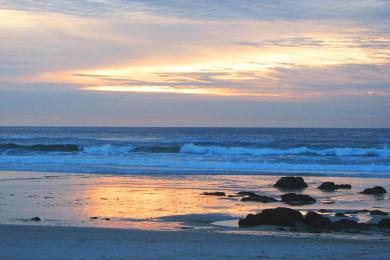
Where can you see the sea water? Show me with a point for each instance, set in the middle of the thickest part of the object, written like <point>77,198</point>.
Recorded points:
<point>119,150</point>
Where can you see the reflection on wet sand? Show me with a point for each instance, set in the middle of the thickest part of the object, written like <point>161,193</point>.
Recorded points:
<point>142,201</point>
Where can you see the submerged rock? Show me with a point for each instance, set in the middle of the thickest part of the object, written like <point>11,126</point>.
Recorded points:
<point>378,212</point>
<point>246,193</point>
<point>216,193</point>
<point>290,183</point>
<point>274,217</point>
<point>37,219</point>
<point>331,186</point>
<point>377,190</point>
<point>385,223</point>
<point>313,219</point>
<point>258,198</point>
<point>297,199</point>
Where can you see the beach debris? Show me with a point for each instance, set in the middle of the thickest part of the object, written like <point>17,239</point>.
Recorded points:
<point>377,190</point>
<point>385,223</point>
<point>331,186</point>
<point>216,193</point>
<point>290,183</point>
<point>314,219</point>
<point>378,212</point>
<point>36,219</point>
<point>246,193</point>
<point>259,198</point>
<point>274,217</point>
<point>297,199</point>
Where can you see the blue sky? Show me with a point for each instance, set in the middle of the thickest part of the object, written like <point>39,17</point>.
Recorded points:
<point>195,63</point>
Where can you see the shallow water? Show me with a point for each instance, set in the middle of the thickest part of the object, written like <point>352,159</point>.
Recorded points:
<point>162,202</point>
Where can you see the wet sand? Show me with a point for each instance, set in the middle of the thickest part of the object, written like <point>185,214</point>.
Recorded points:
<point>43,242</point>
<point>160,211</point>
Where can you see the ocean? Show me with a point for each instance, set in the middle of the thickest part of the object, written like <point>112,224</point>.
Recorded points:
<point>137,150</point>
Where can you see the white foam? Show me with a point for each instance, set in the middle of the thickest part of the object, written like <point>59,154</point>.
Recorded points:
<point>107,149</point>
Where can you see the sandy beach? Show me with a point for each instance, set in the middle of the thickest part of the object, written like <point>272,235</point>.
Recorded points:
<point>43,242</point>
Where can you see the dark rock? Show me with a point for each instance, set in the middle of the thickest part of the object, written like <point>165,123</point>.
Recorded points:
<point>216,193</point>
<point>385,223</point>
<point>297,199</point>
<point>323,210</point>
<point>258,198</point>
<point>331,186</point>
<point>378,212</point>
<point>374,191</point>
<point>274,217</point>
<point>339,214</point>
<point>345,223</point>
<point>290,183</point>
<point>93,218</point>
<point>313,219</point>
<point>37,219</point>
<point>358,211</point>
<point>344,186</point>
<point>246,193</point>
<point>327,186</point>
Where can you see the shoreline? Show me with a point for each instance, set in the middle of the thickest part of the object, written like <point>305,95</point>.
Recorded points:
<point>46,242</point>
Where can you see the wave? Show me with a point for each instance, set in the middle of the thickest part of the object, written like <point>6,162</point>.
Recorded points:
<point>141,164</point>
<point>191,148</point>
<point>41,147</point>
<point>220,150</point>
<point>108,149</point>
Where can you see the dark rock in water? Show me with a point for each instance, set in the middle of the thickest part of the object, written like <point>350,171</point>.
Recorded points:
<point>339,214</point>
<point>216,193</point>
<point>331,186</point>
<point>378,212</point>
<point>246,193</point>
<point>37,219</point>
<point>274,217</point>
<point>93,218</point>
<point>345,223</point>
<point>377,190</point>
<point>323,210</point>
<point>290,183</point>
<point>344,186</point>
<point>297,199</point>
<point>258,198</point>
<point>313,219</point>
<point>385,223</point>
<point>358,211</point>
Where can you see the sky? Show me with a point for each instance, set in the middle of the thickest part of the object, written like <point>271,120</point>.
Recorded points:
<point>210,63</point>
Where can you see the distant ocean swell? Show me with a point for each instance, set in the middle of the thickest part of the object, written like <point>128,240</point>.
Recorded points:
<point>191,148</point>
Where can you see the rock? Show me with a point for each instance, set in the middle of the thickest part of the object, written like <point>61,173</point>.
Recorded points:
<point>246,193</point>
<point>339,214</point>
<point>37,219</point>
<point>377,190</point>
<point>345,223</point>
<point>274,217</point>
<point>385,223</point>
<point>344,186</point>
<point>258,198</point>
<point>297,199</point>
<point>378,212</point>
<point>290,183</point>
<point>93,218</point>
<point>216,193</point>
<point>313,219</point>
<point>324,210</point>
<point>331,186</point>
